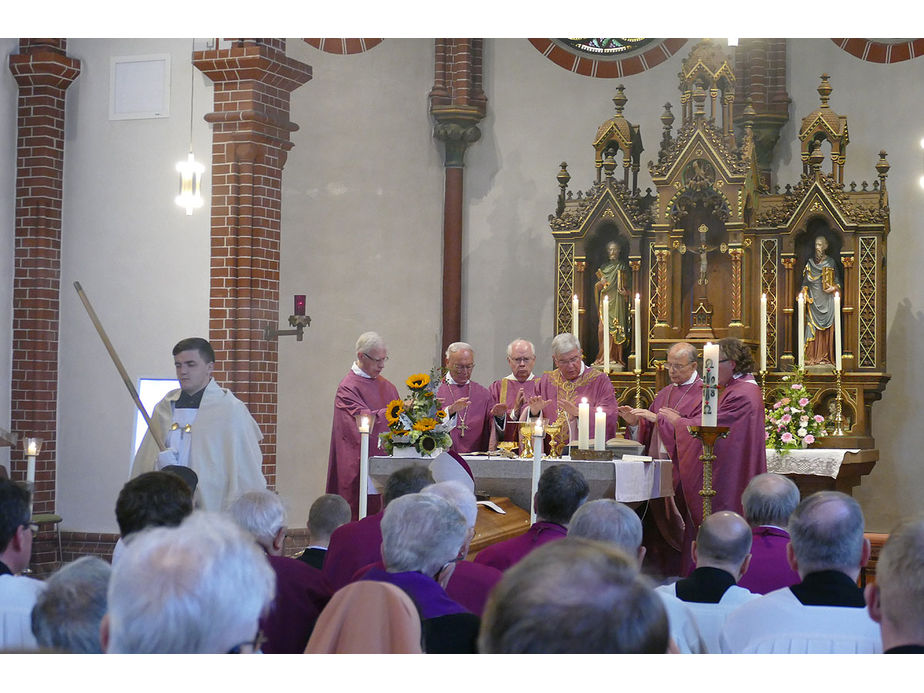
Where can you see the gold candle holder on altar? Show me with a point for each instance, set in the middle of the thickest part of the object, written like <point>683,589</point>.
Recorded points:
<point>838,411</point>
<point>763,387</point>
<point>638,388</point>
<point>707,434</point>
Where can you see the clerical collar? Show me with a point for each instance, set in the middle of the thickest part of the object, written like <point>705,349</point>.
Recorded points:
<point>360,372</point>
<point>690,380</point>
<point>185,401</point>
<point>511,376</point>
<point>450,380</point>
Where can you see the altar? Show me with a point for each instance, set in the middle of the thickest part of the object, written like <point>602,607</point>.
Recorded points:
<point>823,469</point>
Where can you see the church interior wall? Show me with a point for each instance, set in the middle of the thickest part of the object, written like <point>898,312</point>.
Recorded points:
<point>362,236</point>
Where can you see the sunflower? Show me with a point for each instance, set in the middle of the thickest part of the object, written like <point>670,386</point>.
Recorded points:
<point>440,414</point>
<point>425,424</point>
<point>394,410</point>
<point>419,381</point>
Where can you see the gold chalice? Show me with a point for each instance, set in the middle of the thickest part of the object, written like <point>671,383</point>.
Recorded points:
<point>526,440</point>
<point>556,443</point>
<point>507,448</point>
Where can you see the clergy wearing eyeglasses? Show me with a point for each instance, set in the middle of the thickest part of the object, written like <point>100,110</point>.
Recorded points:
<point>362,392</point>
<point>515,389</point>
<point>468,404</point>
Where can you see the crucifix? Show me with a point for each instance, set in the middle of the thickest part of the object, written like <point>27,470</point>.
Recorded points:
<point>701,322</point>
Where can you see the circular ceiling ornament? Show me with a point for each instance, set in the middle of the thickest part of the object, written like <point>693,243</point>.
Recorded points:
<point>882,50</point>
<point>343,46</point>
<point>608,58</point>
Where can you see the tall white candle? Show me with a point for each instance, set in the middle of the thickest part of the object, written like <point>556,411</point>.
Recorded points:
<point>638,332</point>
<point>605,319</point>
<point>600,429</point>
<point>710,381</point>
<point>801,330</point>
<point>583,424</point>
<point>30,469</point>
<point>837,330</point>
<point>363,467</point>
<point>763,332</point>
<point>538,435</point>
<point>574,315</point>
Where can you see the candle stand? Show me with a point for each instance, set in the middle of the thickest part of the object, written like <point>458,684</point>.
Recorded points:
<point>707,434</point>
<point>838,412</point>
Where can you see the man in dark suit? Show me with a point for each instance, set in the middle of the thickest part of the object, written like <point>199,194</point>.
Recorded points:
<point>327,513</point>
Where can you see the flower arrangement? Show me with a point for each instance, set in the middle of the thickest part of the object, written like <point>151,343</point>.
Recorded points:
<point>418,420</point>
<point>790,422</point>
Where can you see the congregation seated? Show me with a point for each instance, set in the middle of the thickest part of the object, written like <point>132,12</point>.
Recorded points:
<point>357,544</point>
<point>721,552</point>
<point>826,611</point>
<point>368,617</point>
<point>199,588</point>
<point>67,614</point>
<point>423,537</point>
<point>562,490</point>
<point>327,513</point>
<point>613,523</point>
<point>301,591</point>
<point>896,600</point>
<point>768,501</point>
<point>18,592</point>
<point>574,596</point>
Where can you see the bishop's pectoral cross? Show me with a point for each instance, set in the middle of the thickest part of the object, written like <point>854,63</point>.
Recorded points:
<point>462,427</point>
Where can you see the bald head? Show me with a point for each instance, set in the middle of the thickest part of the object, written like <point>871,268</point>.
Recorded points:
<point>724,542</point>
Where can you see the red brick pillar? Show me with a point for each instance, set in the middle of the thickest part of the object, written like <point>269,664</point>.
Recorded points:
<point>457,103</point>
<point>43,72</point>
<point>253,80</point>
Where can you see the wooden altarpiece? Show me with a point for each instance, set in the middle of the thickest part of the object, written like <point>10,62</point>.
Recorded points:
<point>713,238</point>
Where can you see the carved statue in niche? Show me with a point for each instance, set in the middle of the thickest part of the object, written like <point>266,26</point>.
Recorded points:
<point>612,278</point>
<point>819,282</point>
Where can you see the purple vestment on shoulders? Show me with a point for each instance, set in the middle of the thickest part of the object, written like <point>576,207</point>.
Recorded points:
<point>506,553</point>
<point>769,570</point>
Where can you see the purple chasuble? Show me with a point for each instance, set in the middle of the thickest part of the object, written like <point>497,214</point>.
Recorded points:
<point>593,385</point>
<point>430,597</point>
<point>769,570</point>
<point>473,424</point>
<point>505,390</point>
<point>355,396</point>
<point>688,400</point>
<point>506,553</point>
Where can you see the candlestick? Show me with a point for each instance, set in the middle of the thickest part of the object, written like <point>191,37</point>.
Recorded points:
<point>638,332</point>
<point>605,319</point>
<point>801,330</point>
<point>583,424</point>
<point>707,434</point>
<point>838,411</point>
<point>537,462</point>
<point>710,384</point>
<point>363,466</point>
<point>574,315</point>
<point>837,330</point>
<point>763,332</point>
<point>600,429</point>
<point>31,447</point>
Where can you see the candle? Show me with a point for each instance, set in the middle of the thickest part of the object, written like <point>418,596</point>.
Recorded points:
<point>710,382</point>
<point>538,435</point>
<point>299,304</point>
<point>574,315</point>
<point>837,330</point>
<point>638,333</point>
<point>363,466</point>
<point>763,332</point>
<point>801,330</point>
<point>605,319</point>
<point>583,424</point>
<point>600,429</point>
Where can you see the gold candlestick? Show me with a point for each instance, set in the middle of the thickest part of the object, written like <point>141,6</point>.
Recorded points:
<point>707,434</point>
<point>638,388</point>
<point>763,387</point>
<point>838,418</point>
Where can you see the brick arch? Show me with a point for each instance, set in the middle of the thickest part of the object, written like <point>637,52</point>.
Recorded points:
<point>343,46</point>
<point>881,51</point>
<point>609,67</point>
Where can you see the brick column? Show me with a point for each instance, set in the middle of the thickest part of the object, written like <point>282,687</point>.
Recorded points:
<point>457,103</point>
<point>253,80</point>
<point>43,72</point>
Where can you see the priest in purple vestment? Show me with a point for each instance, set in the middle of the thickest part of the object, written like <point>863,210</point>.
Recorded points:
<point>739,457</point>
<point>362,392</point>
<point>469,404</point>
<point>517,387</point>
<point>663,523</point>
<point>560,391</point>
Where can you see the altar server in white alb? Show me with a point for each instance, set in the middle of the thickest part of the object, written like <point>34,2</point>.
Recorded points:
<point>206,428</point>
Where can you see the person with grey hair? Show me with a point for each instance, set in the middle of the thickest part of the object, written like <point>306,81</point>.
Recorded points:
<point>826,611</point>
<point>560,391</point>
<point>18,592</point>
<point>199,588</point>
<point>574,597</point>
<point>470,406</point>
<point>67,615</point>
<point>768,501</point>
<point>896,600</point>
<point>609,521</point>
<point>301,591</point>
<point>363,392</point>
<point>327,513</point>
<point>423,537</point>
<point>471,582</point>
<point>518,386</point>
